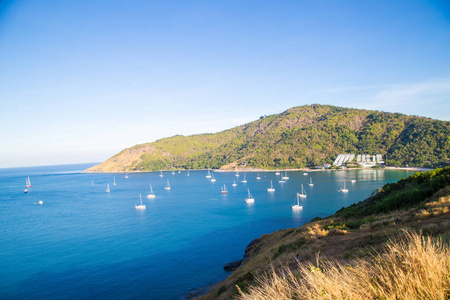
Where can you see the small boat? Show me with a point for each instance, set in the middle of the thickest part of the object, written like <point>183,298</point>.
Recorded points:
<point>257,177</point>
<point>249,198</point>
<point>126,175</point>
<point>310,182</point>
<point>173,172</point>
<point>277,173</point>
<point>224,190</point>
<point>168,185</point>
<point>285,177</point>
<point>114,183</point>
<point>151,195</point>
<point>27,185</point>
<point>344,190</point>
<point>302,194</point>
<point>282,181</point>
<point>107,188</point>
<point>234,183</point>
<point>244,181</point>
<point>353,180</point>
<point>40,202</point>
<point>140,206</point>
<point>92,182</point>
<point>209,175</point>
<point>179,171</point>
<point>212,178</point>
<point>237,174</point>
<point>187,173</point>
<point>297,206</point>
<point>271,189</point>
<point>161,175</point>
<point>305,174</point>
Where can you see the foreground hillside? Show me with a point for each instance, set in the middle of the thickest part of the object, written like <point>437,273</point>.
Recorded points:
<point>337,254</point>
<point>303,136</point>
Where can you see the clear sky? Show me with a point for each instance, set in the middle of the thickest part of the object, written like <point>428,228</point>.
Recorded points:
<point>82,80</point>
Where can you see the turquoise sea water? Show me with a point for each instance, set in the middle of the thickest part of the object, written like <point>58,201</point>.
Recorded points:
<point>84,243</point>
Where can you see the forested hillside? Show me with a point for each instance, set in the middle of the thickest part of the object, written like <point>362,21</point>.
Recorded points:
<point>304,136</point>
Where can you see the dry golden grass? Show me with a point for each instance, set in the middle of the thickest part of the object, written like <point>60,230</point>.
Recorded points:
<point>317,230</point>
<point>435,208</point>
<point>413,267</point>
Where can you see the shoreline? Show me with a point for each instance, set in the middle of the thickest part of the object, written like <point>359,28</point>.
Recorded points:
<point>419,169</point>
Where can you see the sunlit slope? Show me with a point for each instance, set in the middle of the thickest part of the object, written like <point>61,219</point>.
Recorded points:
<point>303,136</point>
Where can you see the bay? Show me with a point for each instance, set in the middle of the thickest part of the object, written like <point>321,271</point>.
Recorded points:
<point>84,243</point>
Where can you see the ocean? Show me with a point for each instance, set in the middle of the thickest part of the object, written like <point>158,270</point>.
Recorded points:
<point>85,243</point>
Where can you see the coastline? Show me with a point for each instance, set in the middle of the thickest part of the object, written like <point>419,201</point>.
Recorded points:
<point>418,169</point>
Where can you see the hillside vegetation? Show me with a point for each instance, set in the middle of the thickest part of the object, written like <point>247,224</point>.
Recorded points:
<point>412,267</point>
<point>304,136</point>
<point>389,246</point>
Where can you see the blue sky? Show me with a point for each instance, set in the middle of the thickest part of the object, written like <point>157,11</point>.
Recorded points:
<point>82,80</point>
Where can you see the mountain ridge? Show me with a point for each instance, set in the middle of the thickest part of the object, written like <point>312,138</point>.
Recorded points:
<point>301,136</point>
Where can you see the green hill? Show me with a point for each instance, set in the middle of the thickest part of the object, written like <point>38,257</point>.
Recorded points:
<point>303,136</point>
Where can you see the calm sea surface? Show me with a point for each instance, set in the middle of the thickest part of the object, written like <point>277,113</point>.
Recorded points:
<point>84,243</point>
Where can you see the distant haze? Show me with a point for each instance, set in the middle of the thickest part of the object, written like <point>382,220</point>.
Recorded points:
<point>82,80</point>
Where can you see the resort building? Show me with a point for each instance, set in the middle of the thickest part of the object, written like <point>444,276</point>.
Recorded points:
<point>364,160</point>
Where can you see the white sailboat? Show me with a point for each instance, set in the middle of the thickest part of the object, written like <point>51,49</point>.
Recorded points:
<point>107,188</point>
<point>209,175</point>
<point>257,177</point>
<point>305,174</point>
<point>140,206</point>
<point>271,189</point>
<point>224,190</point>
<point>212,178</point>
<point>277,173</point>
<point>126,175</point>
<point>151,195</point>
<point>353,180</point>
<point>114,182</point>
<point>179,171</point>
<point>187,173</point>
<point>249,198</point>
<point>92,182</point>
<point>285,177</point>
<point>234,183</point>
<point>244,181</point>
<point>344,190</point>
<point>297,206</point>
<point>303,193</point>
<point>237,173</point>
<point>161,175</point>
<point>173,172</point>
<point>310,182</point>
<point>168,185</point>
<point>28,182</point>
